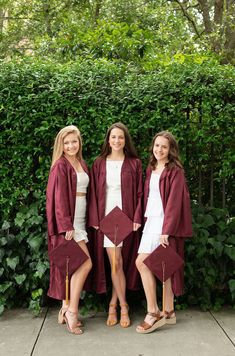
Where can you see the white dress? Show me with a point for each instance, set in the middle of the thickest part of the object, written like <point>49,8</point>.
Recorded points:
<point>113,191</point>
<point>80,208</point>
<point>155,215</point>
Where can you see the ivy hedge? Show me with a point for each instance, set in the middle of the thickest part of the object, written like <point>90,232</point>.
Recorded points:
<point>194,101</point>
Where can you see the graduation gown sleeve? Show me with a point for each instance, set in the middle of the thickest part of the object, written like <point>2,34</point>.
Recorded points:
<point>59,214</point>
<point>176,204</point>
<point>139,185</point>
<point>93,219</point>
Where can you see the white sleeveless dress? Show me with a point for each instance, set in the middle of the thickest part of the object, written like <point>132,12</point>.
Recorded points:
<point>155,215</point>
<point>113,192</point>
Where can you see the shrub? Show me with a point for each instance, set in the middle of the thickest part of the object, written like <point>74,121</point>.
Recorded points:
<point>193,101</point>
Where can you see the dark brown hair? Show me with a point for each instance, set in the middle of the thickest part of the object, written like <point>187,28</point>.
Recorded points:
<point>173,155</point>
<point>129,149</point>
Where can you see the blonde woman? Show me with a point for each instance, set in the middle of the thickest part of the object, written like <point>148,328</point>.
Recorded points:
<point>66,216</point>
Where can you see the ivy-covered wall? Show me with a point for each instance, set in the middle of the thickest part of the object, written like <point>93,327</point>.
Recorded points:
<point>193,101</point>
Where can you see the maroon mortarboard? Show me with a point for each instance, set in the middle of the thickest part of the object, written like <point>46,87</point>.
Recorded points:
<point>116,225</point>
<point>163,262</point>
<point>68,257</point>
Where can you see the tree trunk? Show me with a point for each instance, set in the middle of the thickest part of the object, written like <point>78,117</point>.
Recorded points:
<point>97,10</point>
<point>4,14</point>
<point>205,9</point>
<point>218,11</point>
<point>46,10</point>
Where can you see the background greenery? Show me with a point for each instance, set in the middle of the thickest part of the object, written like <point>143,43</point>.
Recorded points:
<point>192,98</point>
<point>132,30</point>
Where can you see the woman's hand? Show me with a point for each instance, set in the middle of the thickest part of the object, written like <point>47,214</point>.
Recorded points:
<point>136,226</point>
<point>69,235</point>
<point>96,227</point>
<point>164,240</point>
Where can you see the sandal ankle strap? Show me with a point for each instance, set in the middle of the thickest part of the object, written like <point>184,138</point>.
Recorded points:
<point>169,314</point>
<point>155,315</point>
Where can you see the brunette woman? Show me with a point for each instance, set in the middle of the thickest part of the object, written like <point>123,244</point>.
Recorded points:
<point>66,216</point>
<point>116,180</point>
<point>168,222</point>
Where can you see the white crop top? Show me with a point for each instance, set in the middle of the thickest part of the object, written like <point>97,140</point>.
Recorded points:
<point>82,182</point>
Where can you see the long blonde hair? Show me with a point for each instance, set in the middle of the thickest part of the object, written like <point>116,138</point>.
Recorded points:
<point>58,148</point>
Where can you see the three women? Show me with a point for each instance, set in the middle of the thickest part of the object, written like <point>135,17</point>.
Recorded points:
<point>116,180</point>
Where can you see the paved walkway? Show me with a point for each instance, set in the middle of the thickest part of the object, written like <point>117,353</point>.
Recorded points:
<point>196,333</point>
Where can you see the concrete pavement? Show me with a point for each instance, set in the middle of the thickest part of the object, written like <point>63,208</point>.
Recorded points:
<point>196,333</point>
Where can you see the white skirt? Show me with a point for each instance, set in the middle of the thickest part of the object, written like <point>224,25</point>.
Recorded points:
<point>151,234</point>
<point>79,219</point>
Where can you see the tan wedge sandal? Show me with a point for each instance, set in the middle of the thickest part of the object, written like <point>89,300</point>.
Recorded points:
<point>146,328</point>
<point>170,318</point>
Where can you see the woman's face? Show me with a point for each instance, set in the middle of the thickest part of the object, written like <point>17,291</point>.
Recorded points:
<point>161,149</point>
<point>71,145</point>
<point>117,140</point>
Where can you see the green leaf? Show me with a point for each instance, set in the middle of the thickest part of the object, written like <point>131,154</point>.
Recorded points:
<point>5,225</point>
<point>37,293</point>
<point>208,221</point>
<point>20,278</point>
<point>5,286</point>
<point>3,241</point>
<point>12,262</point>
<point>1,309</point>
<point>231,284</point>
<point>35,242</point>
<point>19,220</point>
<point>230,251</point>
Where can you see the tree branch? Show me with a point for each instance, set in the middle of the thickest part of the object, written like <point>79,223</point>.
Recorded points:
<point>189,18</point>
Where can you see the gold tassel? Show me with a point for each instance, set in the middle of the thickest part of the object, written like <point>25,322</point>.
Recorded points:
<point>67,282</point>
<point>163,287</point>
<point>114,251</point>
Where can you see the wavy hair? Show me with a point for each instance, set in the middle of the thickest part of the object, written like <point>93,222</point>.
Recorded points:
<point>129,149</point>
<point>58,148</point>
<point>173,156</point>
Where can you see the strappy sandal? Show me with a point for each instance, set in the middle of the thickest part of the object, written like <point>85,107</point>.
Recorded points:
<point>61,319</point>
<point>112,317</point>
<point>73,318</point>
<point>170,320</point>
<point>125,323</point>
<point>148,328</point>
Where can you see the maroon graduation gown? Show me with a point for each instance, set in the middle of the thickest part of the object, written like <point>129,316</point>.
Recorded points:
<point>177,214</point>
<point>131,190</point>
<point>60,208</point>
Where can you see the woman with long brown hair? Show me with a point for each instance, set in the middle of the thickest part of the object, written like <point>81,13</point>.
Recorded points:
<point>116,180</point>
<point>168,222</point>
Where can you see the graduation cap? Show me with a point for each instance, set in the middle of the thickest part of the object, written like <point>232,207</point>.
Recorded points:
<point>116,225</point>
<point>68,257</point>
<point>163,262</point>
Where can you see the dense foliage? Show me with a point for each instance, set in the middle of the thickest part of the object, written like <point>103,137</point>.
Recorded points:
<point>122,30</point>
<point>194,101</point>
